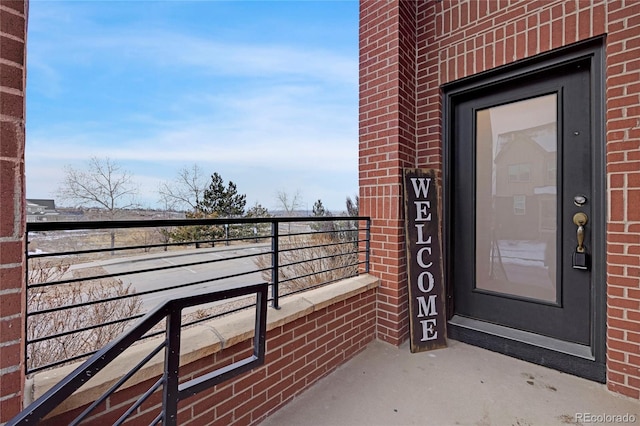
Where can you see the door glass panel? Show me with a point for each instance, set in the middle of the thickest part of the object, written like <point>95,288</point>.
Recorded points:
<point>516,187</point>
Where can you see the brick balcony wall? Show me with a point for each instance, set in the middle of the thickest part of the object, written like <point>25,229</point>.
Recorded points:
<point>299,352</point>
<point>456,39</point>
<point>12,202</point>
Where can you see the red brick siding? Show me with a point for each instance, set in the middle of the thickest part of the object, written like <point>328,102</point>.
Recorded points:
<point>456,39</point>
<point>12,225</point>
<point>623,172</point>
<point>298,354</point>
<point>387,145</point>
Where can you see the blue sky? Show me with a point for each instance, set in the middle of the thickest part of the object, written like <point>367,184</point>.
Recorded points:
<point>263,92</point>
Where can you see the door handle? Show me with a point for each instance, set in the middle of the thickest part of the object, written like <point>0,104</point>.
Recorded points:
<point>580,219</point>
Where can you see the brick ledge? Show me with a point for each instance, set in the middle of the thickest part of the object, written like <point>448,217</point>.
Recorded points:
<point>197,342</point>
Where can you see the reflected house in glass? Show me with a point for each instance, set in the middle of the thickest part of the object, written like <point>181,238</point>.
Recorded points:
<point>525,169</point>
<point>516,192</point>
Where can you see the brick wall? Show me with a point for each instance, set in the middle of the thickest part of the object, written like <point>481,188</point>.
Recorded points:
<point>12,225</point>
<point>387,145</point>
<point>456,39</point>
<point>623,173</point>
<point>298,354</point>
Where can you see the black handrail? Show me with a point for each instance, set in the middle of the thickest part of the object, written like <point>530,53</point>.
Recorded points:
<point>351,229</point>
<point>161,223</point>
<point>172,391</point>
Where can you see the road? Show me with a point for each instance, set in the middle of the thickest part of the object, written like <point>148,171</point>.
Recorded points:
<point>208,275</point>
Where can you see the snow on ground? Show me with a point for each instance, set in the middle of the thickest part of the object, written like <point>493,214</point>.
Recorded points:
<point>37,251</point>
<point>522,252</point>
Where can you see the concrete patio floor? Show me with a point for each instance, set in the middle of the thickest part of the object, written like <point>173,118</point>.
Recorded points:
<point>459,385</point>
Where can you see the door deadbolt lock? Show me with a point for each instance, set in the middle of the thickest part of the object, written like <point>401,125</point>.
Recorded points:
<point>579,200</point>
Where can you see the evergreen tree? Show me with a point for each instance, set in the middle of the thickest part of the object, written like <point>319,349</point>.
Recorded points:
<point>320,211</point>
<point>258,211</point>
<point>318,208</point>
<point>220,201</point>
<point>217,201</point>
<point>258,229</point>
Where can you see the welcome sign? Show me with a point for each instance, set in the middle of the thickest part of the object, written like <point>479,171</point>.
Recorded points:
<point>424,261</point>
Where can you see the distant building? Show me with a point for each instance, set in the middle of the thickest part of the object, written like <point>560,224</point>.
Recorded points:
<point>41,210</point>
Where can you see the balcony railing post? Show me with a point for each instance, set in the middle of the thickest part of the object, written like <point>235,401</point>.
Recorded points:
<point>25,317</point>
<point>275,234</point>
<point>367,246</point>
<point>170,394</point>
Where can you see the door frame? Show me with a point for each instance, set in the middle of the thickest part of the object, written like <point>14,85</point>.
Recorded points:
<point>581,360</point>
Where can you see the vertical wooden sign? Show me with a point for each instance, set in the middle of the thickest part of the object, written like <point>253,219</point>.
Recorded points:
<point>424,261</point>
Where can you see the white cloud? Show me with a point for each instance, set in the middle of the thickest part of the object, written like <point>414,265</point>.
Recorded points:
<point>286,137</point>
<point>170,49</point>
<point>267,116</point>
<point>175,50</point>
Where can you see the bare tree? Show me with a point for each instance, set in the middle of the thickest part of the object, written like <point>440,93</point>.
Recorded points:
<point>351,227</point>
<point>187,189</point>
<point>289,203</point>
<point>310,260</point>
<point>103,184</point>
<point>55,328</point>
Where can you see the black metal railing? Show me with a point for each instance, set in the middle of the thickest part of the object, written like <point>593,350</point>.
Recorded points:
<point>168,383</point>
<point>88,281</point>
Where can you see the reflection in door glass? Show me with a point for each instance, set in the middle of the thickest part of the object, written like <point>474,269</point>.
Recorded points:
<point>516,147</point>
